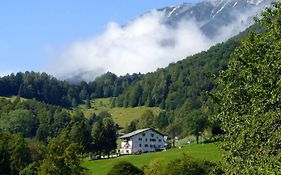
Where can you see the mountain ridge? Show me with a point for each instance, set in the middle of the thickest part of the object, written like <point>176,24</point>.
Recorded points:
<point>210,15</point>
<point>183,30</point>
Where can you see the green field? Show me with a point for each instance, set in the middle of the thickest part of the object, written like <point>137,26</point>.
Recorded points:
<point>122,116</point>
<point>199,151</point>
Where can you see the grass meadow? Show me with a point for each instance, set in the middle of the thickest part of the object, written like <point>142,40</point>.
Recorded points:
<point>121,116</point>
<point>208,152</point>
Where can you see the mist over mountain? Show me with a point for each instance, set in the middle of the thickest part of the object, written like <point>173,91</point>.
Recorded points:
<point>155,39</point>
<point>213,16</point>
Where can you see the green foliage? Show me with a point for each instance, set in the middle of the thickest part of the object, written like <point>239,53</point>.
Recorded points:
<point>20,120</point>
<point>146,120</point>
<point>104,136</point>
<point>37,120</point>
<point>184,83</point>
<point>131,127</point>
<point>122,116</point>
<point>188,166</point>
<point>39,86</point>
<point>196,123</point>
<point>31,169</point>
<point>162,120</point>
<point>80,130</point>
<point>109,85</point>
<point>48,89</point>
<point>154,168</point>
<point>61,157</point>
<point>14,153</point>
<point>249,100</point>
<point>125,168</point>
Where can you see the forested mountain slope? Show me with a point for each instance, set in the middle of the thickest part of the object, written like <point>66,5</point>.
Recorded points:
<point>184,80</point>
<point>48,89</point>
<point>182,88</point>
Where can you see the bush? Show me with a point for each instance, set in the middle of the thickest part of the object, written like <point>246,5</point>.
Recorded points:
<point>188,166</point>
<point>125,168</point>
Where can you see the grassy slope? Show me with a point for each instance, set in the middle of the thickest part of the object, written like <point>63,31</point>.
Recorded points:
<point>12,98</point>
<point>200,151</point>
<point>122,116</point>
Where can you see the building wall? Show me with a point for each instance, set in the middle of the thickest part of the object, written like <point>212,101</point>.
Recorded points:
<point>147,141</point>
<point>126,147</point>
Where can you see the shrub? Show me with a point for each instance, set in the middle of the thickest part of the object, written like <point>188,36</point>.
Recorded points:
<point>125,168</point>
<point>188,166</point>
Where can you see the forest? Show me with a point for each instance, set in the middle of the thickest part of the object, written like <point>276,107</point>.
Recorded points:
<point>48,89</point>
<point>233,89</point>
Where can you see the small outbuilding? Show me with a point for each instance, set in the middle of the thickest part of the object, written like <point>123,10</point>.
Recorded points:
<point>142,140</point>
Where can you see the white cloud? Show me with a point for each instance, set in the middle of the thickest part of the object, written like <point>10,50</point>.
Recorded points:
<point>143,45</point>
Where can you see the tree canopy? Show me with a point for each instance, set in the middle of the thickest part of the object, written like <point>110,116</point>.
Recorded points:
<point>249,100</point>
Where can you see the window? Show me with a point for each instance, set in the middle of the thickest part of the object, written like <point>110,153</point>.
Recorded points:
<point>145,139</point>
<point>152,135</point>
<point>146,145</point>
<point>140,145</point>
<point>143,134</point>
<point>140,139</point>
<point>160,140</point>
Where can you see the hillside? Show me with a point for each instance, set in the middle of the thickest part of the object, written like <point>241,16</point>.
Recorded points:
<point>122,116</point>
<point>183,86</point>
<point>180,89</point>
<point>48,89</point>
<point>208,152</point>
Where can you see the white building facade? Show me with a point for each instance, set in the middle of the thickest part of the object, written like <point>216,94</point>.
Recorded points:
<point>143,140</point>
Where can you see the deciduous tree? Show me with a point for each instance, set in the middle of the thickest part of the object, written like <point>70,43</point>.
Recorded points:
<point>249,100</point>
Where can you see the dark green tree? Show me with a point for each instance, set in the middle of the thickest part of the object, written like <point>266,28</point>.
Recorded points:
<point>146,120</point>
<point>196,123</point>
<point>14,153</point>
<point>20,121</point>
<point>61,157</point>
<point>125,168</point>
<point>110,135</point>
<point>131,127</point>
<point>162,120</point>
<point>20,154</point>
<point>188,166</point>
<point>104,136</point>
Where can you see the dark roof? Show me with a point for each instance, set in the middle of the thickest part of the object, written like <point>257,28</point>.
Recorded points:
<point>131,134</point>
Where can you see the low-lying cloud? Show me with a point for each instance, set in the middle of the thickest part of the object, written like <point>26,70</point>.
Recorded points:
<point>143,45</point>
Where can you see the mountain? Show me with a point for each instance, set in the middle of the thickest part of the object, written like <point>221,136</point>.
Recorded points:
<point>183,88</point>
<point>165,35</point>
<point>212,15</point>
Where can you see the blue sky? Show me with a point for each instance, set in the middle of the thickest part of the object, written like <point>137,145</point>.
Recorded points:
<point>32,31</point>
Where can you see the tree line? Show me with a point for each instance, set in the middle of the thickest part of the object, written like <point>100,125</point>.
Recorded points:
<point>182,90</point>
<point>37,138</point>
<point>48,89</point>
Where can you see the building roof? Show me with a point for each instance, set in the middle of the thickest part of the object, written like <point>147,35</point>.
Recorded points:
<point>131,134</point>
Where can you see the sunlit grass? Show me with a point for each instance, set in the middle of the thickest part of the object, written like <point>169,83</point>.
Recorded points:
<point>208,152</point>
<point>122,116</point>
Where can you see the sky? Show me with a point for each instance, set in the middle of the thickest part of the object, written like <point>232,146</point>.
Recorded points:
<point>34,32</point>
